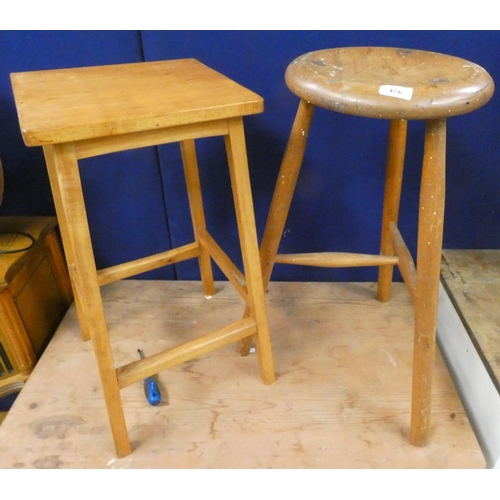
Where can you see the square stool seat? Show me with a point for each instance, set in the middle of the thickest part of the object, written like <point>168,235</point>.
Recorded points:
<point>78,113</point>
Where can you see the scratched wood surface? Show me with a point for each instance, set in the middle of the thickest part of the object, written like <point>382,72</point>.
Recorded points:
<point>341,398</point>
<point>472,279</point>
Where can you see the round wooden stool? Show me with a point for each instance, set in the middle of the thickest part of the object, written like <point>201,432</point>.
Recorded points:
<point>398,85</point>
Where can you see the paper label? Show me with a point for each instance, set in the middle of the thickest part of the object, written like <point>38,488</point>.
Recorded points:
<point>396,91</point>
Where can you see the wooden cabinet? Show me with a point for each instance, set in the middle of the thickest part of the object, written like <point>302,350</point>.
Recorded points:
<point>35,293</point>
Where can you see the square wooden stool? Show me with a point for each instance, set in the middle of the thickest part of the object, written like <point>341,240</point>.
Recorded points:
<point>84,112</point>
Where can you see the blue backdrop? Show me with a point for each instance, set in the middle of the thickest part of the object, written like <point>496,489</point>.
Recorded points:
<point>136,200</point>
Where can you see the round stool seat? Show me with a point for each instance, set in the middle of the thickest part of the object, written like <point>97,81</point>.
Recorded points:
<point>398,85</point>
<point>380,82</point>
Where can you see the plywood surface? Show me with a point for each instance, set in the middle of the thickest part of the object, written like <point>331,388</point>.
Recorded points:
<point>341,398</point>
<point>472,279</point>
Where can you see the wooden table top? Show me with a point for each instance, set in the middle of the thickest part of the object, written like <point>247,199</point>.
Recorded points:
<point>383,82</point>
<point>341,398</point>
<point>67,105</point>
<point>472,279</point>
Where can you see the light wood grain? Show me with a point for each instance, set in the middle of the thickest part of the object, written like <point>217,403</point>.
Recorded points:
<point>423,86</point>
<point>247,232</point>
<point>341,398</point>
<point>348,80</point>
<point>472,279</point>
<point>73,104</point>
<point>62,166</point>
<point>392,198</point>
<point>335,259</point>
<point>430,240</point>
<point>282,197</point>
<point>135,267</point>
<point>193,185</point>
<point>406,262</point>
<point>82,112</point>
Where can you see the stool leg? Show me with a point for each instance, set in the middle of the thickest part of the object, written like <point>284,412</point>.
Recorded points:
<point>392,196</point>
<point>282,197</point>
<point>58,263</point>
<point>285,187</point>
<point>52,162</point>
<point>429,248</point>
<point>240,182</point>
<point>191,173</point>
<point>66,187</point>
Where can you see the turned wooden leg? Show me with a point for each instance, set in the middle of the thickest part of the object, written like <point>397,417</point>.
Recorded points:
<point>66,187</point>
<point>392,196</point>
<point>245,217</point>
<point>197,213</point>
<point>429,248</point>
<point>282,197</point>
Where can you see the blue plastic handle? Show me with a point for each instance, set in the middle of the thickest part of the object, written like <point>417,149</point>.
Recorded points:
<point>152,392</point>
<point>151,387</point>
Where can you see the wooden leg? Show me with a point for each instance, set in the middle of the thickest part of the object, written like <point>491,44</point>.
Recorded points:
<point>392,196</point>
<point>282,197</point>
<point>240,182</point>
<point>429,248</point>
<point>190,162</point>
<point>285,187</point>
<point>66,187</point>
<point>59,265</point>
<point>67,241</point>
